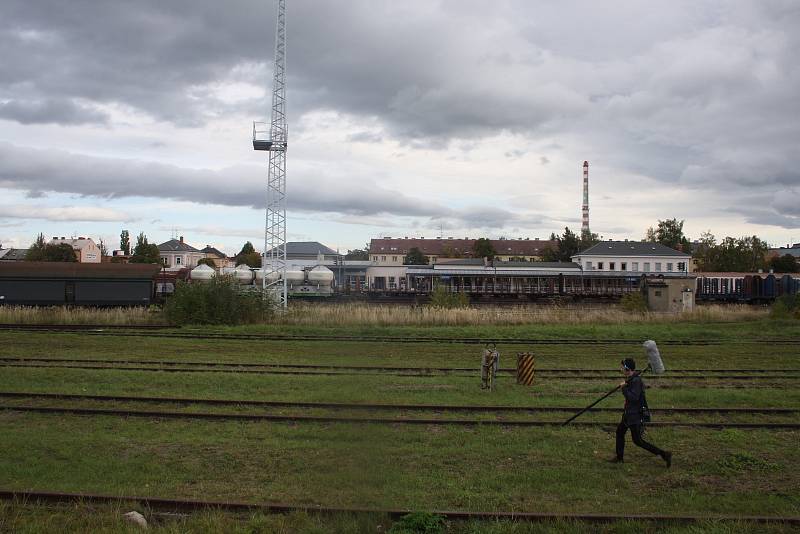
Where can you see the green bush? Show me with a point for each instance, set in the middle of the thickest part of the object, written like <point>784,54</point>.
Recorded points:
<point>219,301</point>
<point>633,302</point>
<point>418,523</point>
<point>786,307</point>
<point>441,298</point>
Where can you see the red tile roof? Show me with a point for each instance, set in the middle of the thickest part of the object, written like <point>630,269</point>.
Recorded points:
<point>438,247</point>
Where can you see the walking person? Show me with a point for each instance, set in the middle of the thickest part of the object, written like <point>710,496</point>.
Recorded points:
<point>633,390</point>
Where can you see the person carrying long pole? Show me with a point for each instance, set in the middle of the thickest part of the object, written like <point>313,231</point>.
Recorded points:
<point>633,390</point>
<point>635,404</point>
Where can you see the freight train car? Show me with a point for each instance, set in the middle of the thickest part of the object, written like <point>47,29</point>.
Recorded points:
<point>745,287</point>
<point>29,283</point>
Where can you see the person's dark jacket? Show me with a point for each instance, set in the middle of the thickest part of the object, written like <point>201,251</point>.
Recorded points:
<point>633,401</point>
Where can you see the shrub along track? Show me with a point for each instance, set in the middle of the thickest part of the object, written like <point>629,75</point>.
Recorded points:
<point>157,331</point>
<point>172,506</point>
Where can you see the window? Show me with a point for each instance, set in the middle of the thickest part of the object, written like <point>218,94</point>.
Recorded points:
<point>669,267</point>
<point>391,282</point>
<point>658,293</point>
<point>177,260</point>
<point>588,266</point>
<point>658,266</point>
<point>374,258</point>
<point>647,266</point>
<point>682,266</point>
<point>623,266</point>
<point>394,259</point>
<point>383,258</point>
<point>611,266</point>
<point>635,266</point>
<point>599,265</point>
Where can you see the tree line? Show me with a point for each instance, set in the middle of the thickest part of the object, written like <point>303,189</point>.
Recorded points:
<point>733,254</point>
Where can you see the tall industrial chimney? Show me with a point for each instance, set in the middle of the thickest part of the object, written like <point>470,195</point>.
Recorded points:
<point>585,218</point>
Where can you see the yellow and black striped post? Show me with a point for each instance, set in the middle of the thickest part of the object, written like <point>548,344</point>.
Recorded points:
<point>526,365</point>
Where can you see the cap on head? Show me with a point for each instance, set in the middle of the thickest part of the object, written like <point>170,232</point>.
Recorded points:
<point>629,364</point>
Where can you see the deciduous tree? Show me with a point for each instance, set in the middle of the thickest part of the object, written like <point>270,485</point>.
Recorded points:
<point>483,248</point>
<point>415,257</point>
<point>125,242</point>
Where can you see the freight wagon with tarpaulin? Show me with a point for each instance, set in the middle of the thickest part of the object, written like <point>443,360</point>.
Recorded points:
<point>30,283</point>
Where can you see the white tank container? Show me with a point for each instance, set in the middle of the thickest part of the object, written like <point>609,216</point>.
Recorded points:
<point>202,273</point>
<point>272,277</point>
<point>243,274</point>
<point>295,277</point>
<point>320,275</point>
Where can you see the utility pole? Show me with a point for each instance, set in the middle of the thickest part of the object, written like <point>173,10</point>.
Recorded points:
<point>274,140</point>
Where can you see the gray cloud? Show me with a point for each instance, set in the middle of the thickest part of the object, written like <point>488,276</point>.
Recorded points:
<point>51,110</point>
<point>65,213</point>
<point>30,169</point>
<point>700,94</point>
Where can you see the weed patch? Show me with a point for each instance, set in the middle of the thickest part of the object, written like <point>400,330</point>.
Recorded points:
<point>741,461</point>
<point>419,523</point>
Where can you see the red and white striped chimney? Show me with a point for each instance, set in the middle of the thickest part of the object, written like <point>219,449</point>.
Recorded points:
<point>585,218</point>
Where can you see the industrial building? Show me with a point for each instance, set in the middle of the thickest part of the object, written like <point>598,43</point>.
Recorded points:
<point>349,275</point>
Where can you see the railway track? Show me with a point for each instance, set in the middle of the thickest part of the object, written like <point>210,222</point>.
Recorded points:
<point>366,406</point>
<point>247,365</point>
<point>153,331</point>
<point>216,416</point>
<point>279,369</point>
<point>172,506</point>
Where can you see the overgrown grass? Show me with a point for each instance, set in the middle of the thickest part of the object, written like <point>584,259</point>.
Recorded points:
<point>79,315</point>
<point>388,315</point>
<point>221,304</point>
<point>414,467</point>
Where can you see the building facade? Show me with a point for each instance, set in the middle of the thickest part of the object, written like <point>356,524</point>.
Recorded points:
<point>85,248</point>
<point>634,257</point>
<point>390,251</point>
<point>175,254</point>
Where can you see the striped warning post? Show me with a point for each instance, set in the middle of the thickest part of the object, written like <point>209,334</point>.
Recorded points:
<point>526,365</point>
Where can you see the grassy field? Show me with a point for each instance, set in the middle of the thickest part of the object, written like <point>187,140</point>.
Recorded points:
<point>371,315</point>
<point>486,468</point>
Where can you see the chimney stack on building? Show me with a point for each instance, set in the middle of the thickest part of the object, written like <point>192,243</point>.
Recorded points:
<point>585,217</point>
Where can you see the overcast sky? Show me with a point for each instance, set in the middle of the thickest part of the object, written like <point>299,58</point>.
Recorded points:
<point>416,118</point>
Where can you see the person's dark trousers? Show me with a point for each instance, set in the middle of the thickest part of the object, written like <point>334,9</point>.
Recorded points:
<point>636,434</point>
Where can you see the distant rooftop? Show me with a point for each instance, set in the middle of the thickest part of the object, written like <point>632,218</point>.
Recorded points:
<point>211,250</point>
<point>307,248</point>
<point>631,248</point>
<point>13,254</point>
<point>176,245</point>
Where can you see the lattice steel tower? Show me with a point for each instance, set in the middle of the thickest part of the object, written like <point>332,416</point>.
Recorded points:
<point>274,140</point>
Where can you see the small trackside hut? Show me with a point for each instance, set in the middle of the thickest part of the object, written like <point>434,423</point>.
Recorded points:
<point>30,283</point>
